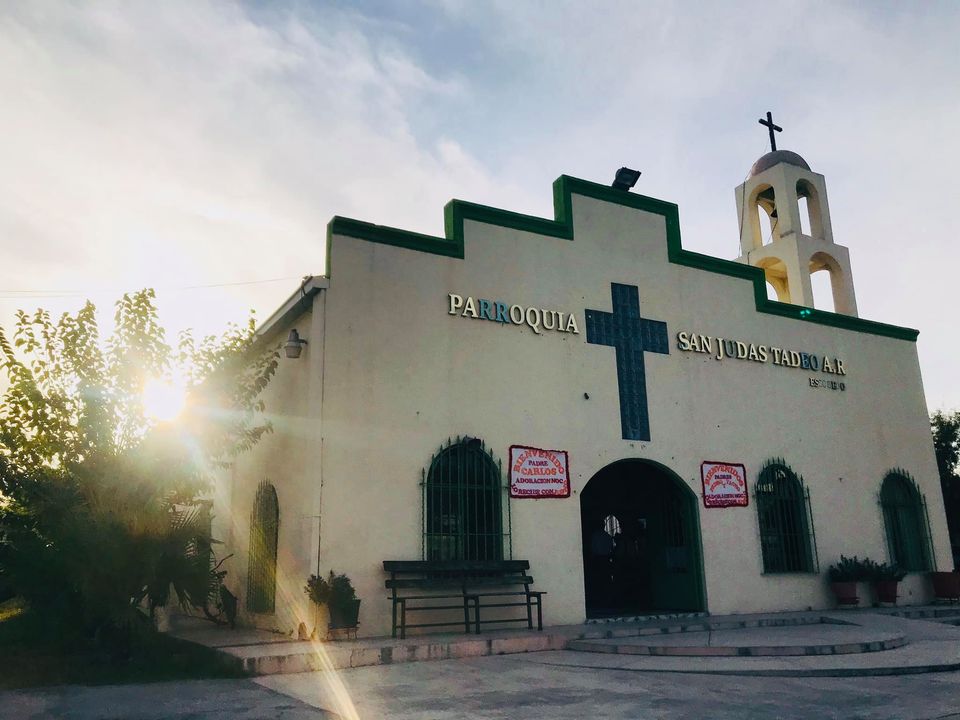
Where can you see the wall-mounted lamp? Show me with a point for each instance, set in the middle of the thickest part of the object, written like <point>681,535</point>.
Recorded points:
<point>294,345</point>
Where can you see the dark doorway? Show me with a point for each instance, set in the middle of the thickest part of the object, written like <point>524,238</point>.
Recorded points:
<point>641,542</point>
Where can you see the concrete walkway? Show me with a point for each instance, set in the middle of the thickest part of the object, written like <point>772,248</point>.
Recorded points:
<point>518,687</point>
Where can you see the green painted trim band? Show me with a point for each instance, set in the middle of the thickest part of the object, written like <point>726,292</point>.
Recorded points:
<point>457,212</point>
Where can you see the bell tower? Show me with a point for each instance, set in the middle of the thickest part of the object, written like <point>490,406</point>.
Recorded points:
<point>775,185</point>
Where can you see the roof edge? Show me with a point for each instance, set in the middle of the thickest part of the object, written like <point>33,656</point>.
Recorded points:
<point>294,305</point>
<point>456,212</point>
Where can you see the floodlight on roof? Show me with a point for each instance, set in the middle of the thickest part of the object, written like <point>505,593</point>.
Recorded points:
<point>625,179</point>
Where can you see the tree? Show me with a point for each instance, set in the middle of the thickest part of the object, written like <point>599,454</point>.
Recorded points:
<point>102,509</point>
<point>946,445</point>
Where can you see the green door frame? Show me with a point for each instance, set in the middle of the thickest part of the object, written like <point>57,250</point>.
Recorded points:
<point>693,504</point>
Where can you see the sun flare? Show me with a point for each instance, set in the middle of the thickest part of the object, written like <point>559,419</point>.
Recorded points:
<point>163,400</point>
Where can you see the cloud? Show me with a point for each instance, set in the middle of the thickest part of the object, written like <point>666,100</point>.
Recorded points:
<point>186,143</point>
<point>175,144</point>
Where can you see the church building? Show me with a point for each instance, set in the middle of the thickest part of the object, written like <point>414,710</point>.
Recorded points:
<point>640,422</point>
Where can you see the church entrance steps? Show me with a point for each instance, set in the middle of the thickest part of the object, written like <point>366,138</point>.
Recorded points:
<point>304,656</point>
<point>843,643</point>
<point>938,613</point>
<point>645,618</point>
<point>801,639</point>
<point>927,646</point>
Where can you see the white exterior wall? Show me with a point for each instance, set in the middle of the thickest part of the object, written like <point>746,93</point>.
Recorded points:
<point>400,375</point>
<point>289,458</point>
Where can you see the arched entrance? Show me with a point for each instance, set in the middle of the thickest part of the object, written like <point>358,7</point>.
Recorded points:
<point>641,542</point>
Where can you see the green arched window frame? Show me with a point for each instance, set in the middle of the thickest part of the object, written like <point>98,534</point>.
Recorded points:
<point>262,560</point>
<point>785,520</point>
<point>906,522</point>
<point>465,511</point>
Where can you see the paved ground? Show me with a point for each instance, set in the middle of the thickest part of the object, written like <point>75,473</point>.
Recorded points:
<point>190,700</point>
<point>521,687</point>
<point>562,685</point>
<point>506,687</point>
<point>515,686</point>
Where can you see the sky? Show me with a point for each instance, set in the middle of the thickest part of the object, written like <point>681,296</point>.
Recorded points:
<point>200,148</point>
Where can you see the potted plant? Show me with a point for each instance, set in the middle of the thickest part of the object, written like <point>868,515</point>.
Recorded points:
<point>946,585</point>
<point>886,577</point>
<point>844,577</point>
<point>337,593</point>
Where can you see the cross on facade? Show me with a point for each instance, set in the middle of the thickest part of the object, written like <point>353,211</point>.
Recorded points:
<point>771,127</point>
<point>631,336</point>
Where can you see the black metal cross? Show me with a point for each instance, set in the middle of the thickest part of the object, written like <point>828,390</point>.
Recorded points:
<point>771,127</point>
<point>631,336</point>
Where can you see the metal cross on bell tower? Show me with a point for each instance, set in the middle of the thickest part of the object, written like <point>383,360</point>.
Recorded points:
<point>771,127</point>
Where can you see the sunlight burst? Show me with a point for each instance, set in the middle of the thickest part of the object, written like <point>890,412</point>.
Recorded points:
<point>163,400</point>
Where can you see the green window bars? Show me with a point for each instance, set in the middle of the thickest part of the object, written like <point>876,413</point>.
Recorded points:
<point>262,564</point>
<point>905,518</point>
<point>463,516</point>
<point>785,519</point>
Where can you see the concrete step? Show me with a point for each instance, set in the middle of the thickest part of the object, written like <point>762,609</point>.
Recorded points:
<point>303,656</point>
<point>261,653</point>
<point>782,641</point>
<point>645,618</point>
<point>935,612</point>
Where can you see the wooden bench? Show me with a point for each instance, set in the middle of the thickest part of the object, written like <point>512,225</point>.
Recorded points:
<point>420,586</point>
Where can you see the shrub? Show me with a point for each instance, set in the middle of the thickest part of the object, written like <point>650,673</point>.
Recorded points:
<point>333,591</point>
<point>848,570</point>
<point>887,571</point>
<point>101,506</point>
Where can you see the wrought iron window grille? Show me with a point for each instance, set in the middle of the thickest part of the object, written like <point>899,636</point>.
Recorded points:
<point>788,541</point>
<point>465,508</point>
<point>906,522</point>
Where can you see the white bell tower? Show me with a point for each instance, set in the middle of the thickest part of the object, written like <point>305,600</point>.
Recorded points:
<point>774,186</point>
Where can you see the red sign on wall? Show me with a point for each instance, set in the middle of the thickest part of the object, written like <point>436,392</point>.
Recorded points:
<point>724,484</point>
<point>536,473</point>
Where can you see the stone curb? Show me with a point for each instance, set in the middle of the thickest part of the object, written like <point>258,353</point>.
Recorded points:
<point>891,643</point>
<point>796,672</point>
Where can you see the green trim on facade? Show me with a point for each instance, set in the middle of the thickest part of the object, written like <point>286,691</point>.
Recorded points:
<point>457,212</point>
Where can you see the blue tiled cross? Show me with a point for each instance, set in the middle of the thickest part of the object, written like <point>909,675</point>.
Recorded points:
<point>631,335</point>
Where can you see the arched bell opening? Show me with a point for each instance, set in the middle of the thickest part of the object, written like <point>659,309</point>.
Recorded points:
<point>811,214</point>
<point>763,215</point>
<point>827,281</point>
<point>775,274</point>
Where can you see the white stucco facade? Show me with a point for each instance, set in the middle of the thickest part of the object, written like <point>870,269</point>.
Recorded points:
<point>389,374</point>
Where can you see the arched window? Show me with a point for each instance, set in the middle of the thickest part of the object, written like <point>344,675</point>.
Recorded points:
<point>463,517</point>
<point>905,518</point>
<point>783,513</point>
<point>262,564</point>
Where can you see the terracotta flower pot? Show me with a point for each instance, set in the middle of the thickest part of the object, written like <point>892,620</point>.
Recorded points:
<point>845,592</point>
<point>886,591</point>
<point>946,585</point>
